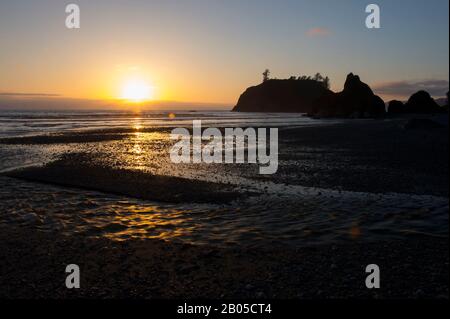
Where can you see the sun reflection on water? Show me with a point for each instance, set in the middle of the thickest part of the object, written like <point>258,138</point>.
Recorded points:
<point>148,222</point>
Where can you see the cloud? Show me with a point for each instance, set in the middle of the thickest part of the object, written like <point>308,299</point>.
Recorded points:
<point>318,32</point>
<point>16,94</point>
<point>435,87</point>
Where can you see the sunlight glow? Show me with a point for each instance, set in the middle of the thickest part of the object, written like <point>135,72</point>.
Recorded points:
<point>137,91</point>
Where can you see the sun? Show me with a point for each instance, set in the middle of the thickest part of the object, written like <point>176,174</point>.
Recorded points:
<point>137,91</point>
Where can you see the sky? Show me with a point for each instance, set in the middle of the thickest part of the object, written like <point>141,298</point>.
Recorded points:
<point>210,51</point>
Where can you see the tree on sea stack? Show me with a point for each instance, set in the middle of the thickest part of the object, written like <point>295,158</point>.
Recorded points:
<point>326,82</point>
<point>318,77</point>
<point>266,75</point>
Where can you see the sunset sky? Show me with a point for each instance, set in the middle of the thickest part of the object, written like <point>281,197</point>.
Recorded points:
<point>209,51</point>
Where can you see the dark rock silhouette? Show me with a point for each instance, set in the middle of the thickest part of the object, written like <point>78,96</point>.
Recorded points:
<point>356,100</point>
<point>292,95</point>
<point>396,107</point>
<point>378,107</point>
<point>446,105</point>
<point>422,102</point>
<point>312,96</point>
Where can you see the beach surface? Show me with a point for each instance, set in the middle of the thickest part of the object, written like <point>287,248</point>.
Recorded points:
<point>347,194</point>
<point>153,269</point>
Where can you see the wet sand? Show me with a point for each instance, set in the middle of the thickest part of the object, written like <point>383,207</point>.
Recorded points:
<point>77,170</point>
<point>369,155</point>
<point>376,156</point>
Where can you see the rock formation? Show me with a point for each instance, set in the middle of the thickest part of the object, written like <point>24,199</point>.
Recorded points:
<point>396,107</point>
<point>312,97</point>
<point>422,102</point>
<point>296,96</point>
<point>356,100</point>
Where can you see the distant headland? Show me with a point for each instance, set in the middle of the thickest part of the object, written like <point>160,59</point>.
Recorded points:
<point>312,95</point>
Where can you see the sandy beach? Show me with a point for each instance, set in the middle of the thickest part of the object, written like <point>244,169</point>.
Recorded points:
<point>152,269</point>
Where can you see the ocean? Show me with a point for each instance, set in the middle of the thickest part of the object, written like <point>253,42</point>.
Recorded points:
<point>26,123</point>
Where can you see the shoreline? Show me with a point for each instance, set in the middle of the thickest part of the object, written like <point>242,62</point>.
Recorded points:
<point>372,156</point>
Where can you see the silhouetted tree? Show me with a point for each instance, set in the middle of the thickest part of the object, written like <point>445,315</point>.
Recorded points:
<point>266,75</point>
<point>326,82</point>
<point>318,77</point>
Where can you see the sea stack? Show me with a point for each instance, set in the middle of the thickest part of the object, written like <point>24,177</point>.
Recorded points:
<point>290,95</point>
<point>312,97</point>
<point>357,100</point>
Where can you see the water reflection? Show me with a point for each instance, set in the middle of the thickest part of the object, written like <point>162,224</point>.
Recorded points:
<point>138,154</point>
<point>149,222</point>
<point>287,219</point>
